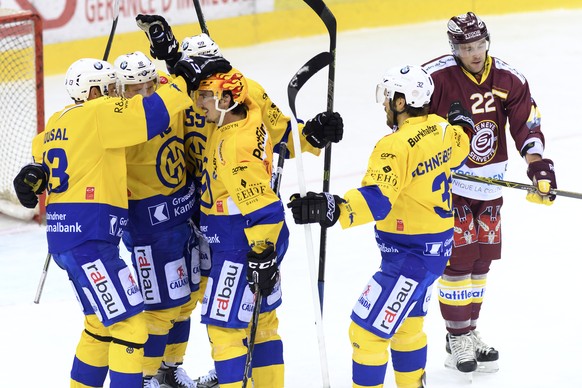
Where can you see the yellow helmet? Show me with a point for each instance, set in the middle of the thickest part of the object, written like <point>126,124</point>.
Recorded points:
<point>233,81</point>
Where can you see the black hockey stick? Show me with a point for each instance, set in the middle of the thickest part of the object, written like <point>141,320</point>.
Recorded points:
<point>112,32</point>
<point>514,185</point>
<point>200,15</point>
<point>307,71</point>
<point>330,23</point>
<point>255,323</point>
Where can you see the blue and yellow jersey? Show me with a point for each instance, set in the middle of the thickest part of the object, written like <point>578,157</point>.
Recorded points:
<point>198,131</point>
<point>407,186</point>
<point>83,151</point>
<point>160,191</point>
<point>239,208</point>
<point>276,123</point>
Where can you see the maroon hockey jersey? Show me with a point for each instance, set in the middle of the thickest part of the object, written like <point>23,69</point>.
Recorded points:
<point>501,98</point>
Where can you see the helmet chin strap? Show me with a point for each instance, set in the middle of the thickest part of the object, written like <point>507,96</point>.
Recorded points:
<point>223,111</point>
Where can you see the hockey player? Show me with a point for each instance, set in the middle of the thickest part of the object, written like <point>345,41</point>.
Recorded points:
<point>243,220</point>
<point>80,160</point>
<point>161,201</point>
<point>406,192</point>
<point>316,134</point>
<point>498,96</point>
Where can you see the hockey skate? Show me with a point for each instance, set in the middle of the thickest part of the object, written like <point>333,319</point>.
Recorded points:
<point>174,377</point>
<point>486,355</point>
<point>208,381</point>
<point>150,382</point>
<point>461,353</point>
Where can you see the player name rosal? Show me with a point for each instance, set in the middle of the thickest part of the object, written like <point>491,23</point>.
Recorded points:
<point>64,228</point>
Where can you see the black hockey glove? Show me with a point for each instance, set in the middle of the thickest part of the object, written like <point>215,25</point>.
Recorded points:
<point>543,176</point>
<point>315,207</point>
<point>458,115</point>
<point>30,181</point>
<point>323,128</point>
<point>163,44</point>
<point>195,69</point>
<point>263,270</point>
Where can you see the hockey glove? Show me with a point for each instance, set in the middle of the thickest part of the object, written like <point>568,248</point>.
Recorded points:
<point>458,115</point>
<point>315,207</point>
<point>30,181</point>
<point>542,175</point>
<point>323,128</point>
<point>163,44</point>
<point>263,270</point>
<point>195,69</point>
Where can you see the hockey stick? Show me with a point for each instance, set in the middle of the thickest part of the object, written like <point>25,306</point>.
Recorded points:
<point>330,23</point>
<point>255,321</point>
<point>200,16</point>
<point>514,185</point>
<point>299,79</point>
<point>42,278</point>
<point>305,73</point>
<point>112,32</point>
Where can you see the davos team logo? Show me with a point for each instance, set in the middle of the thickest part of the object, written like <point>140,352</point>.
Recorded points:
<point>171,163</point>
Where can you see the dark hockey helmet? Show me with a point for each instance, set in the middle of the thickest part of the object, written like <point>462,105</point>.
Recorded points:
<point>466,28</point>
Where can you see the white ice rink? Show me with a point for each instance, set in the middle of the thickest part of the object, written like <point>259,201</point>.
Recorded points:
<point>531,305</point>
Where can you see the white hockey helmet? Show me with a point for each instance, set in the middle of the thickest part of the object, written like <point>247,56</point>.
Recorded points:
<point>134,68</point>
<point>202,44</point>
<point>86,73</point>
<point>412,81</point>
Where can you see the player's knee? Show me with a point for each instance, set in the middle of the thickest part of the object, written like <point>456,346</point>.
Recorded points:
<point>132,331</point>
<point>267,329</point>
<point>410,333</point>
<point>161,321</point>
<point>226,343</point>
<point>187,308</point>
<point>368,348</point>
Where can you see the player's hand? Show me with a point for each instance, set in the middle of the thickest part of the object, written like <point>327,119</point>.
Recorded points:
<point>163,44</point>
<point>263,270</point>
<point>542,175</point>
<point>315,207</point>
<point>30,181</point>
<point>458,115</point>
<point>195,69</point>
<point>323,128</point>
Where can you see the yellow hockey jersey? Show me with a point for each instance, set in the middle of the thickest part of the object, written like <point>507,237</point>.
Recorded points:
<point>83,151</point>
<point>239,208</point>
<point>161,193</point>
<point>406,189</point>
<point>276,123</point>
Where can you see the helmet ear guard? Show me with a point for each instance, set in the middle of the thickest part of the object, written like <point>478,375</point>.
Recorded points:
<point>86,73</point>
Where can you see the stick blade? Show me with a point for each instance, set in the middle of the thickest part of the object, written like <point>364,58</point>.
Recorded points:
<point>308,70</point>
